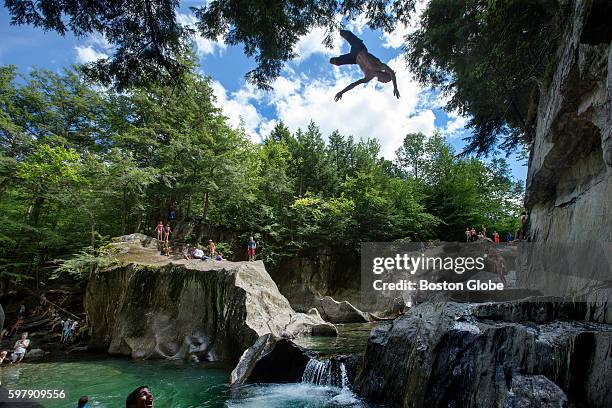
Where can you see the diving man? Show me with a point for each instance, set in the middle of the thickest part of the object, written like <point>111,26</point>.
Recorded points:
<point>371,66</point>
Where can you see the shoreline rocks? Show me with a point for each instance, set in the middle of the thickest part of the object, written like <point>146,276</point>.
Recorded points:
<point>470,355</point>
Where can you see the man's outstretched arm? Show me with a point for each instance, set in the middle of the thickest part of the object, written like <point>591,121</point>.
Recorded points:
<point>395,91</point>
<point>351,86</point>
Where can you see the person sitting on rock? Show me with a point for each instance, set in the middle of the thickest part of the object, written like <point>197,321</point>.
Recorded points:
<point>20,348</point>
<point>197,253</point>
<point>141,397</point>
<point>219,257</point>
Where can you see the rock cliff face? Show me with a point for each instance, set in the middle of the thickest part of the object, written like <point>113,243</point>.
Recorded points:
<point>152,306</point>
<point>305,280</point>
<point>489,355</point>
<point>569,182</point>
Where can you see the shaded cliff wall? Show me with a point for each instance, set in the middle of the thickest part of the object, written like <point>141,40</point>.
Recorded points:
<point>569,182</point>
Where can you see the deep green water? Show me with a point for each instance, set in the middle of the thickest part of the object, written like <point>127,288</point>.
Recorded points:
<point>352,338</point>
<point>175,384</point>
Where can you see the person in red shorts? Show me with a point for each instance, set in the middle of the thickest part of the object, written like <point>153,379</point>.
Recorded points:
<point>496,237</point>
<point>251,249</point>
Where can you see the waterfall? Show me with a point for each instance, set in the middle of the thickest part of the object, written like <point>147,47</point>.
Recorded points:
<point>326,372</point>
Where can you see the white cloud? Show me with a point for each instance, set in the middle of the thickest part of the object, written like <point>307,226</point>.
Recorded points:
<point>395,39</point>
<point>358,24</point>
<point>203,46</point>
<point>87,53</point>
<point>238,108</point>
<point>312,43</point>
<point>455,126</point>
<point>369,111</point>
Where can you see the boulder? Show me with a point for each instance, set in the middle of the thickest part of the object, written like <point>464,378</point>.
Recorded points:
<point>137,238</point>
<point>469,355</point>
<point>534,391</point>
<point>34,354</point>
<point>152,306</point>
<point>271,360</point>
<point>340,312</point>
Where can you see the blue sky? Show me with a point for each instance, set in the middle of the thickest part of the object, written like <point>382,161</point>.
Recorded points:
<point>304,91</point>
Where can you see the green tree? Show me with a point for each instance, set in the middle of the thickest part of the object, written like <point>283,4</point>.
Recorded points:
<point>490,58</point>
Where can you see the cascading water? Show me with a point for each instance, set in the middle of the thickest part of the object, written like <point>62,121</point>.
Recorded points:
<point>326,372</point>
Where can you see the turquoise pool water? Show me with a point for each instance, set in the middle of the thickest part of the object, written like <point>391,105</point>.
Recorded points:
<point>108,381</point>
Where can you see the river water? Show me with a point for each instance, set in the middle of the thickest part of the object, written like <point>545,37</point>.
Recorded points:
<point>176,384</point>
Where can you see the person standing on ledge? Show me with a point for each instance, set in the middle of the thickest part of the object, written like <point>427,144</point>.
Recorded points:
<point>160,231</point>
<point>211,249</point>
<point>167,233</point>
<point>371,66</point>
<point>251,248</point>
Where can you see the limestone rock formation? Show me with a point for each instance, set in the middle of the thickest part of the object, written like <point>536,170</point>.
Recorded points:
<point>477,355</point>
<point>340,312</point>
<point>151,306</point>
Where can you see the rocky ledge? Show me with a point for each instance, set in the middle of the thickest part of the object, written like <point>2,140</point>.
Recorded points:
<point>511,354</point>
<point>152,306</point>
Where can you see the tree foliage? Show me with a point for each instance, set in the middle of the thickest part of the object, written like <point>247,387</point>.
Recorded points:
<point>149,42</point>
<point>492,59</point>
<point>80,164</point>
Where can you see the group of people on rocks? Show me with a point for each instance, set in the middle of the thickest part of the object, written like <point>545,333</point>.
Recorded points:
<point>471,235</point>
<point>210,252</point>
<point>68,329</point>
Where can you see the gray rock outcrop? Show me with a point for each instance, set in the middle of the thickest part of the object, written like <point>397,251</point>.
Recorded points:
<point>569,181</point>
<point>34,354</point>
<point>151,306</point>
<point>271,360</point>
<point>477,355</point>
<point>340,312</point>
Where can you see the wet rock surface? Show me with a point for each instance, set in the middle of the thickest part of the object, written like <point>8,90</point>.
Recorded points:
<point>271,360</point>
<point>152,306</point>
<point>276,360</point>
<point>486,355</point>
